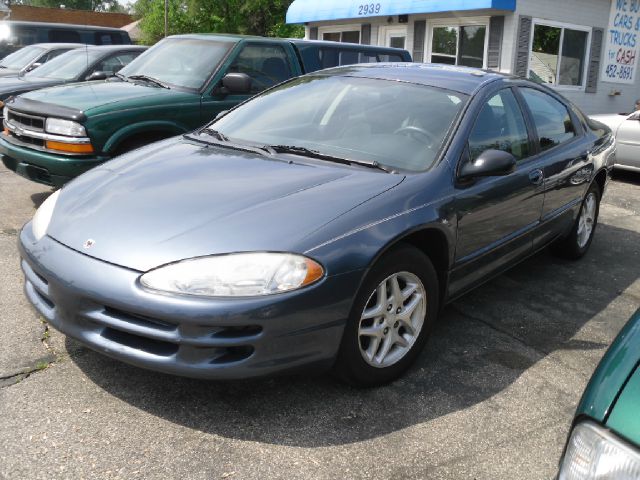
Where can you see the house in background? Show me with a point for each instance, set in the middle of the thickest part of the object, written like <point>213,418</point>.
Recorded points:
<point>586,49</point>
<point>65,15</point>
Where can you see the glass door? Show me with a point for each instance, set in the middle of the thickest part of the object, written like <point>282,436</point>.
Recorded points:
<point>395,37</point>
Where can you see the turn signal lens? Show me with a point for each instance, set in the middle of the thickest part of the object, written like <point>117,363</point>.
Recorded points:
<point>69,147</point>
<point>314,272</point>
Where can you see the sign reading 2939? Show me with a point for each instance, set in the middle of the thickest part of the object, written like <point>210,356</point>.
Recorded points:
<point>369,8</point>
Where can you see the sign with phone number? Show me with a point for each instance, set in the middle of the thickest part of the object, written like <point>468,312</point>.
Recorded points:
<point>620,60</point>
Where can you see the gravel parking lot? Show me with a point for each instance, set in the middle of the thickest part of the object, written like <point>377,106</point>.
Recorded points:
<point>491,397</point>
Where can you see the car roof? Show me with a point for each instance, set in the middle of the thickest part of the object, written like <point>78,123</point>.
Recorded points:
<point>55,46</point>
<point>225,37</point>
<point>461,79</point>
<point>328,43</point>
<point>110,48</point>
<point>61,25</point>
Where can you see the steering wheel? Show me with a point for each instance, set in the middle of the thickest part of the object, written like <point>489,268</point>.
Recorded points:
<point>417,133</point>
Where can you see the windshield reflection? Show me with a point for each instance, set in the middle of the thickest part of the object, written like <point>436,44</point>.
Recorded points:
<point>395,124</point>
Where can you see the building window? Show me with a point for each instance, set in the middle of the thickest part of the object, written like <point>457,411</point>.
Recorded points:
<point>559,54</point>
<point>459,45</point>
<point>347,36</point>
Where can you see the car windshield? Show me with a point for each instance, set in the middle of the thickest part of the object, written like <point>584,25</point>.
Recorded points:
<point>20,59</point>
<point>179,62</point>
<point>67,66</point>
<point>396,124</point>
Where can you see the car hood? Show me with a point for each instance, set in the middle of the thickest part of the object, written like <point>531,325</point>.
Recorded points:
<point>88,96</point>
<point>10,85</point>
<point>612,120</point>
<point>180,199</point>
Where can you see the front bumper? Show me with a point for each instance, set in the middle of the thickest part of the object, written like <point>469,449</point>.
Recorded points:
<point>104,307</point>
<point>42,167</point>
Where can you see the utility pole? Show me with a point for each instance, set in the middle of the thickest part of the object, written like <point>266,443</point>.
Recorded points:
<point>166,17</point>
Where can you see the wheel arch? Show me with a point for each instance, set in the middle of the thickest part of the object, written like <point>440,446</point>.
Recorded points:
<point>435,243</point>
<point>600,179</point>
<point>153,130</point>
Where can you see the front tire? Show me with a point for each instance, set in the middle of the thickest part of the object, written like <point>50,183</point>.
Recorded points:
<point>391,319</point>
<point>575,245</point>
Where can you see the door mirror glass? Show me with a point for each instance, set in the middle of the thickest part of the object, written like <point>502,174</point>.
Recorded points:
<point>490,163</point>
<point>99,75</point>
<point>239,83</point>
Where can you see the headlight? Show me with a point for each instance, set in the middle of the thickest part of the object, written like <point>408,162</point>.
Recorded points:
<point>235,275</point>
<point>593,453</point>
<point>65,127</point>
<point>43,216</point>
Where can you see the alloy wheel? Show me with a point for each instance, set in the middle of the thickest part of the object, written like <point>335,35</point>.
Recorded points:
<point>392,319</point>
<point>587,220</point>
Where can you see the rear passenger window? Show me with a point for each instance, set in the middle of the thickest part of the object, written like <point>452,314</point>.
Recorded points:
<point>500,126</point>
<point>64,36</point>
<point>267,65</point>
<point>105,38</point>
<point>552,119</point>
<point>26,36</point>
<point>389,58</point>
<point>328,57</point>
<point>348,57</point>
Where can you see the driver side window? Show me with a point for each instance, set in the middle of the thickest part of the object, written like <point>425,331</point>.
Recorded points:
<point>267,65</point>
<point>500,126</point>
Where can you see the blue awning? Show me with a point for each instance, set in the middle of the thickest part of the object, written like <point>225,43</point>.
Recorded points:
<point>302,11</point>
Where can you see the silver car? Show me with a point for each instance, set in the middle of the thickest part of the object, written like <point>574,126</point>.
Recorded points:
<point>626,128</point>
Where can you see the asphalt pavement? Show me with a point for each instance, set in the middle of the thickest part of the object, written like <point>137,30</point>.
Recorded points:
<point>491,397</point>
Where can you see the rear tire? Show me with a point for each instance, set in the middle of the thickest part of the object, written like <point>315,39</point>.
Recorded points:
<point>577,243</point>
<point>391,319</point>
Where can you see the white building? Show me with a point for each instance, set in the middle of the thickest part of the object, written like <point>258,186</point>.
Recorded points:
<point>586,49</point>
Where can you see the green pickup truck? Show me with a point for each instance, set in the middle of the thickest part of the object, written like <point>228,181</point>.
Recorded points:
<point>55,134</point>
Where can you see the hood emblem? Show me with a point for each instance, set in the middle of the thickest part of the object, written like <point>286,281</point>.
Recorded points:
<point>89,243</point>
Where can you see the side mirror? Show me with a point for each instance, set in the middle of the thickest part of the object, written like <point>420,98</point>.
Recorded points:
<point>97,75</point>
<point>634,116</point>
<point>33,66</point>
<point>490,163</point>
<point>239,83</point>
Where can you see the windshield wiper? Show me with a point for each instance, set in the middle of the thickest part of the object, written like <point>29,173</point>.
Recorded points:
<point>223,141</point>
<point>214,133</point>
<point>149,79</point>
<point>306,152</point>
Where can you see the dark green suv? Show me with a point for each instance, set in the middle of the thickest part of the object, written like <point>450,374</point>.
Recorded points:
<point>55,134</point>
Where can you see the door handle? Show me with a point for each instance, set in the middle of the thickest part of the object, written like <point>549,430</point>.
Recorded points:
<point>536,176</point>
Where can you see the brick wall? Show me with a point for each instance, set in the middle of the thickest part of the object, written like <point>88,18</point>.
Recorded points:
<point>63,15</point>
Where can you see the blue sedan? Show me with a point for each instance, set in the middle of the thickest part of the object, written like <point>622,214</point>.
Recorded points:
<point>321,224</point>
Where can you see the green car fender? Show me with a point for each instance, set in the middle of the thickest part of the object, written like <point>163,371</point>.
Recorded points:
<point>614,371</point>
<point>160,127</point>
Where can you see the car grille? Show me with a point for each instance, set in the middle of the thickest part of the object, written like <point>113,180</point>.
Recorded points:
<point>216,345</point>
<point>28,122</point>
<point>22,124</point>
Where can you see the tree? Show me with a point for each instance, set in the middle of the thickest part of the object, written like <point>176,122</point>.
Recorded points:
<point>251,17</point>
